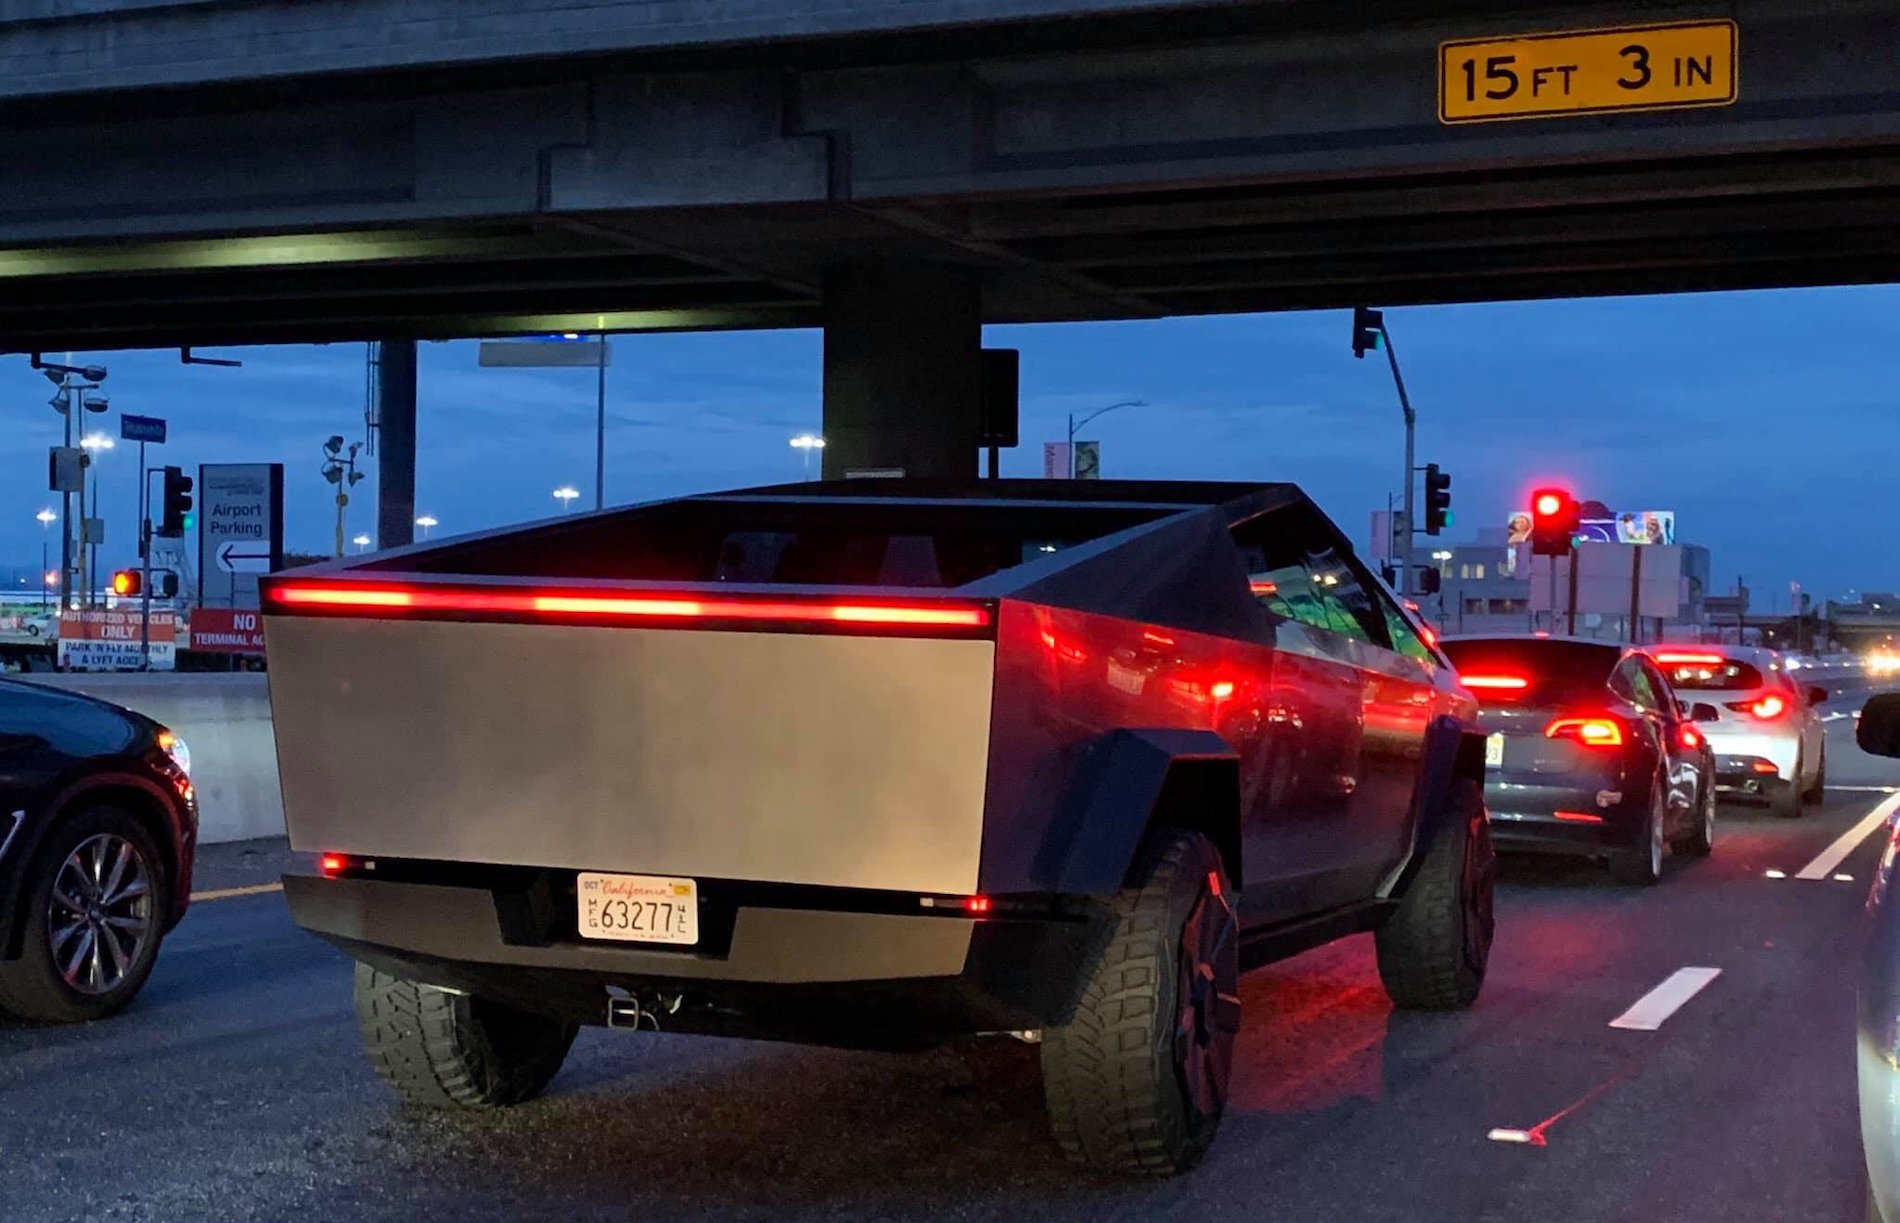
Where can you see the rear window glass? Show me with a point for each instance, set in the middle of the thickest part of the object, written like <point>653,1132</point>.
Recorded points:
<point>1532,672</point>
<point>1709,673</point>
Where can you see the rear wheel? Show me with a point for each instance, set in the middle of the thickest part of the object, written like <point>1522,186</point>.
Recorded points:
<point>1640,863</point>
<point>1787,799</point>
<point>96,894</point>
<point>1435,946</point>
<point>1136,1081</point>
<point>1700,838</point>
<point>1816,792</point>
<point>444,1050</point>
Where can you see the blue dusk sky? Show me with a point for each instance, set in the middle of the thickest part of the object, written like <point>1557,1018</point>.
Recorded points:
<point>1767,421</point>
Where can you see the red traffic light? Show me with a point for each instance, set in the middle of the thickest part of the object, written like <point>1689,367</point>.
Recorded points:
<point>1555,517</point>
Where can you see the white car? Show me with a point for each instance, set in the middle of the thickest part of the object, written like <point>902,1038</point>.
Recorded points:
<point>1767,735</point>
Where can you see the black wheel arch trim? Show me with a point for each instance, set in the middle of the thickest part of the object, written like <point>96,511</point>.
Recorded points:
<point>1127,781</point>
<point>1453,751</point>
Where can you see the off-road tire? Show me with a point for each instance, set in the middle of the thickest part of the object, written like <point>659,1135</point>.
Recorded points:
<point>1435,946</point>
<point>1640,864</point>
<point>31,987</point>
<point>443,1050</point>
<point>1114,1075</point>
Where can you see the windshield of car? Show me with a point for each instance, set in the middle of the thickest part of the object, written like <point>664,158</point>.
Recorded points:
<point>1532,671</point>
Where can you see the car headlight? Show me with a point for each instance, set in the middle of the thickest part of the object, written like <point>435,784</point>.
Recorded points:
<point>176,749</point>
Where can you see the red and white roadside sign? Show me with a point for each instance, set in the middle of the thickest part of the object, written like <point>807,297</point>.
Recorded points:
<point>109,641</point>
<point>227,630</point>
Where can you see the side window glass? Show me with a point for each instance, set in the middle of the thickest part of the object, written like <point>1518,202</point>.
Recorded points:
<point>1404,639</point>
<point>1636,686</point>
<point>1659,684</point>
<point>1296,574</point>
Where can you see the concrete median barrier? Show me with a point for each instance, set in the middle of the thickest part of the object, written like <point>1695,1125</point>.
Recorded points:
<point>225,720</point>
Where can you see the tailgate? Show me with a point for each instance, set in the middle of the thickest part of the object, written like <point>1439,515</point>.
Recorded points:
<point>804,757</point>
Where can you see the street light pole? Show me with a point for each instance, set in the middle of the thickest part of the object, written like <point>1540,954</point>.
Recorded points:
<point>808,442</point>
<point>46,519</point>
<point>600,425</point>
<point>1075,424</point>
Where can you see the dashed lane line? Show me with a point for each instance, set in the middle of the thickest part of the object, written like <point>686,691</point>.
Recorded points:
<point>1831,857</point>
<point>257,889</point>
<point>1653,1008</point>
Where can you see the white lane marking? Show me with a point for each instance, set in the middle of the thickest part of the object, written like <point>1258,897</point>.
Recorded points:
<point>1509,1135</point>
<point>1665,1000</point>
<point>1831,857</point>
<point>1772,873</point>
<point>260,889</point>
<point>1836,716</point>
<point>1864,789</point>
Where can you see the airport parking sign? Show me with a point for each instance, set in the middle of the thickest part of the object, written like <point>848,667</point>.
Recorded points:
<point>240,530</point>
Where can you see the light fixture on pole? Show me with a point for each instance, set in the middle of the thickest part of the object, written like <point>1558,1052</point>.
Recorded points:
<point>808,442</point>
<point>426,521</point>
<point>93,444</point>
<point>1075,424</point>
<point>362,542</point>
<point>340,470</point>
<point>566,495</point>
<point>46,519</point>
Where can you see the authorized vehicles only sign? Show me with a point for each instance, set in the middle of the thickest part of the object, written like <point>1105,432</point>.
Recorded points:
<point>109,641</point>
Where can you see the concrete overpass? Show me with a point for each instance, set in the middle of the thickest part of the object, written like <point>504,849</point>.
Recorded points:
<point>898,172</point>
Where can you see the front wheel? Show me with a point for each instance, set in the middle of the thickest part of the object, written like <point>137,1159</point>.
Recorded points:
<point>443,1050</point>
<point>97,894</point>
<point>1434,948</point>
<point>1136,1081</point>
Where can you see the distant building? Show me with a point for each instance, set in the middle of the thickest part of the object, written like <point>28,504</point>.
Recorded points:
<point>1484,587</point>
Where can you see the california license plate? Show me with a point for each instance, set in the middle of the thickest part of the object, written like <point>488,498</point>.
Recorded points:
<point>638,908</point>
<point>1493,751</point>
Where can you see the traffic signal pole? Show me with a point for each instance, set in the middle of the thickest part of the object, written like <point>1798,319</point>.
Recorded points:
<point>1407,578</point>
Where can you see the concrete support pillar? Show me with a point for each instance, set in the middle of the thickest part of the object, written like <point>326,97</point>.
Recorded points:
<point>396,445</point>
<point>903,369</point>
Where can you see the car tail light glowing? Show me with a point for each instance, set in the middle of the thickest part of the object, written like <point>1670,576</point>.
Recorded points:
<point>1765,766</point>
<point>333,865</point>
<point>350,598</point>
<point>1505,683</point>
<point>1222,689</point>
<point>1577,817</point>
<point>976,904</point>
<point>1672,658</point>
<point>1768,708</point>
<point>1591,732</point>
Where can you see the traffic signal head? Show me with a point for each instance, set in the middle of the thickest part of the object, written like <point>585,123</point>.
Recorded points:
<point>1555,518</point>
<point>1437,499</point>
<point>175,505</point>
<point>127,582</point>
<point>1367,325</point>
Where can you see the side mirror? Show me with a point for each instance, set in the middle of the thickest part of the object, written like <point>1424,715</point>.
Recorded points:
<point>1817,695</point>
<point>1702,711</point>
<point>1879,731</point>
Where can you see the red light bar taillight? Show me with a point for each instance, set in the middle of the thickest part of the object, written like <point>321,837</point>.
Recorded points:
<point>1678,659</point>
<point>350,599</point>
<point>1502,683</point>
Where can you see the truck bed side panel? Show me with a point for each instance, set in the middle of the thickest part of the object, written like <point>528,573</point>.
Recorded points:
<point>847,761</point>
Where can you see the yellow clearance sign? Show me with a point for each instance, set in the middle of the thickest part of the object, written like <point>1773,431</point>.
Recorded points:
<point>1588,72</point>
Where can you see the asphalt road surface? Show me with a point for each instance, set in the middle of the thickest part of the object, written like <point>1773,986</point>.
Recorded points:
<point>235,1090</point>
